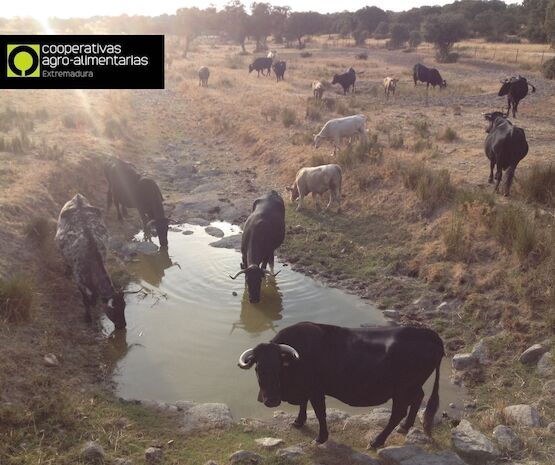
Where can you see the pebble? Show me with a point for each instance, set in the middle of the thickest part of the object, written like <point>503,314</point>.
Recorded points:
<point>50,360</point>
<point>245,456</point>
<point>154,455</point>
<point>532,354</point>
<point>92,452</point>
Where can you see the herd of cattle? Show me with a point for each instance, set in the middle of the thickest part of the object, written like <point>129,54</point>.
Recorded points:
<point>307,361</point>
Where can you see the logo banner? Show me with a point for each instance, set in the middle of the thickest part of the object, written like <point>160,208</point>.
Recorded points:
<point>82,62</point>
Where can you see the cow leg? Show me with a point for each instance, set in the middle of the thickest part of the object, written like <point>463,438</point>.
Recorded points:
<point>118,212</point>
<point>510,176</point>
<point>271,263</point>
<point>491,166</point>
<point>301,417</point>
<point>319,406</point>
<point>331,199</point>
<point>398,412</point>
<point>515,108</point>
<point>414,406</point>
<point>301,197</point>
<point>498,176</point>
<point>316,199</point>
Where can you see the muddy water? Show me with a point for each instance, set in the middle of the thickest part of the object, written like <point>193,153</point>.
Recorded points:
<point>184,337</point>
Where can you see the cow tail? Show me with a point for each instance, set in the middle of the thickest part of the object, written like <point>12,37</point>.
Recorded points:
<point>533,88</point>
<point>432,405</point>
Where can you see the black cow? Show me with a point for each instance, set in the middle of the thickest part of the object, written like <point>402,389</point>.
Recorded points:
<point>346,80</point>
<point>261,64</point>
<point>428,75</point>
<point>128,188</point>
<point>505,146</point>
<point>361,367</point>
<point>515,88</point>
<point>263,233</point>
<point>279,69</point>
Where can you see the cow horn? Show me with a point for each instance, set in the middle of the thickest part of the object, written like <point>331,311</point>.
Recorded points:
<point>289,351</point>
<point>246,359</point>
<point>237,274</point>
<point>269,273</point>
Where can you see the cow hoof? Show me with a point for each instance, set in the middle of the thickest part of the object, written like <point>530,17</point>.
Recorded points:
<point>298,424</point>
<point>374,445</point>
<point>402,430</point>
<point>490,180</point>
<point>320,440</point>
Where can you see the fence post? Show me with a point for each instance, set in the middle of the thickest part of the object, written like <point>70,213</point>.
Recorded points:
<point>541,62</point>
<point>494,51</point>
<point>475,52</point>
<point>516,58</point>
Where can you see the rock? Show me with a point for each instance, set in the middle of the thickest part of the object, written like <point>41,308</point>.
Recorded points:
<point>50,360</point>
<point>198,221</point>
<point>463,362</point>
<point>210,462</point>
<point>154,455</point>
<point>414,455</point>
<point>359,458</point>
<point>202,417</point>
<point>507,439</point>
<point>213,231</point>
<point>551,427</point>
<point>282,415</point>
<point>245,457</point>
<point>143,247</point>
<point>291,452</point>
<point>417,436</point>
<point>396,455</point>
<point>333,415</point>
<point>532,354</point>
<point>229,242</point>
<point>480,352</point>
<point>393,314</point>
<point>234,294</point>
<point>549,387</point>
<point>545,366</point>
<point>443,307</point>
<point>185,170</point>
<point>522,415</point>
<point>269,443</point>
<point>121,461</point>
<point>187,232</point>
<point>471,443</point>
<point>92,452</point>
<point>377,417</point>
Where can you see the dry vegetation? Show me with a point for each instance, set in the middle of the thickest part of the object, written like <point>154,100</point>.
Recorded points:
<point>418,221</point>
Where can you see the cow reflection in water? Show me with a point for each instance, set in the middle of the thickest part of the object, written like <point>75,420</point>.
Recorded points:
<point>260,317</point>
<point>117,349</point>
<point>151,268</point>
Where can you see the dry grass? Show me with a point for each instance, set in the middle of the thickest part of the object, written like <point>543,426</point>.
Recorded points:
<point>538,184</point>
<point>16,299</point>
<point>433,187</point>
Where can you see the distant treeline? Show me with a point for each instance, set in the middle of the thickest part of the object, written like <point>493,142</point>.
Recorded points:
<point>492,20</point>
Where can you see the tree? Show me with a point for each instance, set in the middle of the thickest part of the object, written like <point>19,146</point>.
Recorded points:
<point>443,31</point>
<point>368,18</point>
<point>279,19</point>
<point>399,35</point>
<point>415,39</point>
<point>382,30</point>
<point>234,21</point>
<point>189,25</point>
<point>301,24</point>
<point>549,24</point>
<point>535,10</point>
<point>260,24</point>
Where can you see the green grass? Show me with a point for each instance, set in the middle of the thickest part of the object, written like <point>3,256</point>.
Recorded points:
<point>456,246</point>
<point>538,185</point>
<point>433,187</point>
<point>353,154</point>
<point>515,230</point>
<point>16,299</point>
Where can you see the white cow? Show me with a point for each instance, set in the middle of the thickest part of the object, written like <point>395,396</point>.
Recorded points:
<point>317,89</point>
<point>337,128</point>
<point>390,85</point>
<point>317,180</point>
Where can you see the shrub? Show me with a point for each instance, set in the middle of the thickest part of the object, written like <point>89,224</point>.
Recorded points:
<point>76,120</point>
<point>302,138</point>
<point>314,109</point>
<point>38,229</point>
<point>114,129</point>
<point>538,185</point>
<point>306,54</point>
<point>456,245</point>
<point>16,299</point>
<point>226,83</point>
<point>448,135</point>
<point>235,61</point>
<point>288,117</point>
<point>317,160</point>
<point>270,113</point>
<point>361,56</point>
<point>371,152</point>
<point>415,39</point>
<point>396,141</point>
<point>421,127</point>
<point>548,69</point>
<point>432,187</point>
<point>421,144</point>
<point>513,229</point>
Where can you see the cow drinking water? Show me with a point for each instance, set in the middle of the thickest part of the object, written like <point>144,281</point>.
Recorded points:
<point>263,233</point>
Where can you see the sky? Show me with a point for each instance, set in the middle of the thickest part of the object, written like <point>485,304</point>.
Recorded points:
<point>78,8</point>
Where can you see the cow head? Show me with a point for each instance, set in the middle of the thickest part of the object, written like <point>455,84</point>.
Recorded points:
<point>161,225</point>
<point>443,84</point>
<point>294,191</point>
<point>335,77</point>
<point>251,67</point>
<point>115,310</point>
<point>492,117</point>
<point>253,277</point>
<point>317,140</point>
<point>269,359</point>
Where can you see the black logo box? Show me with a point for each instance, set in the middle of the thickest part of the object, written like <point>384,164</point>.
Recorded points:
<point>150,76</point>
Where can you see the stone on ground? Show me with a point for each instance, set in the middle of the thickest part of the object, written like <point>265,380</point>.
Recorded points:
<point>92,452</point>
<point>245,457</point>
<point>506,439</point>
<point>522,415</point>
<point>471,443</point>
<point>202,417</point>
<point>269,443</point>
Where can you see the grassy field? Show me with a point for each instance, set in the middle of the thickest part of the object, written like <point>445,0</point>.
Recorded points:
<point>419,225</point>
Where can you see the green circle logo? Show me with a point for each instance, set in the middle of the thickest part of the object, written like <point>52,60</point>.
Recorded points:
<point>23,61</point>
